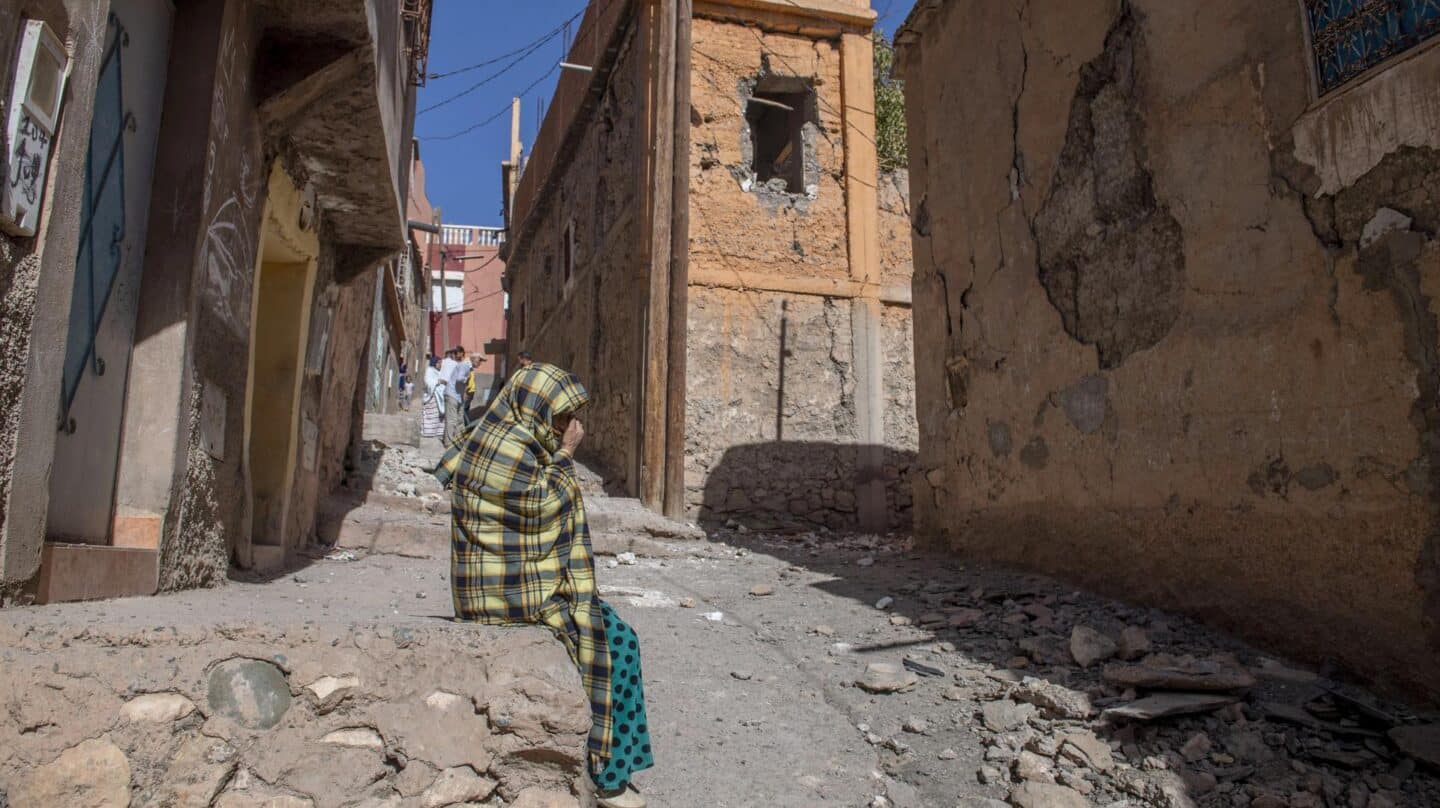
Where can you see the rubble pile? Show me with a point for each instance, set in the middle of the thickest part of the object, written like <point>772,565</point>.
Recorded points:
<point>1060,698</point>
<point>397,470</point>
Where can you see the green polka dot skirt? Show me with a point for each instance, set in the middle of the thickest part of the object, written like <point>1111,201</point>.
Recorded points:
<point>630,730</point>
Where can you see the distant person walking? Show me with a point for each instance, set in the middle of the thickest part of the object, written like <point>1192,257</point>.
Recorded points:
<point>432,416</point>
<point>403,394</point>
<point>455,382</point>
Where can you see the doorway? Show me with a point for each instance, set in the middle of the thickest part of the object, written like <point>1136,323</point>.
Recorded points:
<point>279,329</point>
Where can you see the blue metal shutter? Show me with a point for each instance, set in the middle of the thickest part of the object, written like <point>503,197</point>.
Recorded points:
<point>102,221</point>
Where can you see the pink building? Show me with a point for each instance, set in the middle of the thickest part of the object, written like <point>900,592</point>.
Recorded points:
<point>471,299</point>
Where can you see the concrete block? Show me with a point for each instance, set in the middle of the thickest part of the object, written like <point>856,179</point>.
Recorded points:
<point>70,572</point>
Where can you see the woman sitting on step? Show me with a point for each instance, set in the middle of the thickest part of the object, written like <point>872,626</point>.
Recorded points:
<point>520,554</point>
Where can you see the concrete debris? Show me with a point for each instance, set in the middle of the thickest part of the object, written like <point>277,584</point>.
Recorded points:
<point>1056,700</point>
<point>1166,705</point>
<point>1047,795</point>
<point>1419,742</point>
<point>1089,646</point>
<point>1161,672</point>
<point>887,677</point>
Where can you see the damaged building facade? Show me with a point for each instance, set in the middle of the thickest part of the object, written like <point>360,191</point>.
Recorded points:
<point>186,322</point>
<point>1179,343</point>
<point>702,234</point>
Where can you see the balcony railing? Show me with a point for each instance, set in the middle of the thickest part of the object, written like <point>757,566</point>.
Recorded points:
<point>472,236</point>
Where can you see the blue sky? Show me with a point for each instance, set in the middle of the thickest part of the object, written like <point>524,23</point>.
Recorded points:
<point>463,172</point>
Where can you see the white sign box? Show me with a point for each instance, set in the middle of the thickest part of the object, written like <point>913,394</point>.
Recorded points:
<point>35,98</point>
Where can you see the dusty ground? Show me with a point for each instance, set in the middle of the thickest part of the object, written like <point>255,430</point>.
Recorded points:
<point>753,645</point>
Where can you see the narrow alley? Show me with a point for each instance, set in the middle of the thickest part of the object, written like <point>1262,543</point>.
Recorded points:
<point>856,403</point>
<point>798,669</point>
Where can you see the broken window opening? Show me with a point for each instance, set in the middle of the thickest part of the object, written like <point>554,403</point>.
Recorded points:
<point>776,114</point>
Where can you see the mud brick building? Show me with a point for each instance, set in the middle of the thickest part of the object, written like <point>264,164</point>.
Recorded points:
<point>702,234</point>
<point>468,259</point>
<point>1180,342</point>
<point>185,323</point>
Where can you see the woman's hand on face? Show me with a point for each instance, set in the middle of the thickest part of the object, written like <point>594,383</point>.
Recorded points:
<point>574,432</point>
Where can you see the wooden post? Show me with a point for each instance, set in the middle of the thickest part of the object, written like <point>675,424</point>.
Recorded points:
<point>661,156</point>
<point>679,270</point>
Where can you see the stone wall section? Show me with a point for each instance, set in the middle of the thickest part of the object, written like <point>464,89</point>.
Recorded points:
<point>1179,343</point>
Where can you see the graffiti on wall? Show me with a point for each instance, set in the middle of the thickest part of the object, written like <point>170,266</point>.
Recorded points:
<point>227,252</point>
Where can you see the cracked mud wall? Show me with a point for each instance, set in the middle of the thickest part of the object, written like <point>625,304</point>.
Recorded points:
<point>1171,344</point>
<point>773,434</point>
<point>591,322</point>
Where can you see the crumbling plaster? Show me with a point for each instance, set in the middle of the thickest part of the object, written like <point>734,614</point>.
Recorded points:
<point>1257,449</point>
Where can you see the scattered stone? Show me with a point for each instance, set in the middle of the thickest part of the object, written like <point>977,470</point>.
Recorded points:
<point>762,590</point>
<point>1005,715</point>
<point>1030,767</point>
<point>1165,705</point>
<point>93,773</point>
<point>841,649</point>
<point>627,558</point>
<point>1196,748</point>
<point>743,676</point>
<point>197,771</point>
<point>1134,643</point>
<point>1046,795</point>
<point>988,775</point>
<point>899,620</point>
<point>536,797</point>
<point>251,692</point>
<point>887,677</point>
<point>1200,783</point>
<point>1056,700</point>
<point>357,737</point>
<point>1089,646</point>
<point>157,708</point>
<point>327,686</point>
<point>1421,742</point>
<point>1161,672</point>
<point>458,785</point>
<point>948,754</point>
<point>714,617</point>
<point>823,630</point>
<point>686,603</point>
<point>884,603</point>
<point>964,618</point>
<point>1084,749</point>
<point>917,726</point>
<point>440,700</point>
<point>867,561</point>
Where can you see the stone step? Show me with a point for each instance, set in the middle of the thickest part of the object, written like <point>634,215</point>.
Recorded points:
<point>72,572</point>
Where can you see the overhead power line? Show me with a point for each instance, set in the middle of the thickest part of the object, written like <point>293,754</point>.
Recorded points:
<point>498,113</point>
<point>562,27</point>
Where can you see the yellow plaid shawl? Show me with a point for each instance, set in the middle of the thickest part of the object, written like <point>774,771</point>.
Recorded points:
<point>520,547</point>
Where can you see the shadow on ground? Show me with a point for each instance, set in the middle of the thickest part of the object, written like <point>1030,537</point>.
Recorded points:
<point>1268,734</point>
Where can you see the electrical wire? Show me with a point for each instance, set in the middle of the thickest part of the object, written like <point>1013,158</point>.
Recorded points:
<point>498,113</point>
<point>497,74</point>
<point>564,26</point>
